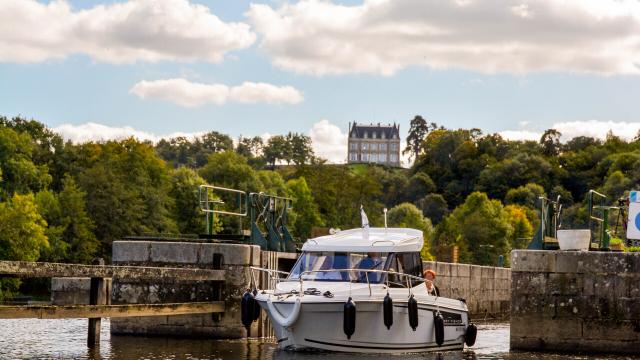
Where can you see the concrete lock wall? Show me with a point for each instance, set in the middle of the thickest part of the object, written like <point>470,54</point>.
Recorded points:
<point>74,290</point>
<point>486,289</point>
<point>575,301</point>
<point>234,258</point>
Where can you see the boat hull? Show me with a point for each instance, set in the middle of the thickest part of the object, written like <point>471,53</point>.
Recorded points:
<point>320,326</point>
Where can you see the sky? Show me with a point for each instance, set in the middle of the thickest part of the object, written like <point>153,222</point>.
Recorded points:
<point>94,70</point>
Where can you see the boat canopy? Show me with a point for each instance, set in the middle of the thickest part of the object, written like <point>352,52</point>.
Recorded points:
<point>368,240</point>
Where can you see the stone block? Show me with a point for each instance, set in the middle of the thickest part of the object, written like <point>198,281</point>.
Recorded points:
<point>620,330</point>
<point>462,270</point>
<point>533,260</point>
<point>232,254</point>
<point>443,269</point>
<point>567,261</point>
<point>126,251</point>
<point>174,253</point>
<point>563,284</point>
<point>70,284</point>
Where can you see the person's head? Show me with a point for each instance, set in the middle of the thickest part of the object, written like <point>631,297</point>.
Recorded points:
<point>373,255</point>
<point>429,275</point>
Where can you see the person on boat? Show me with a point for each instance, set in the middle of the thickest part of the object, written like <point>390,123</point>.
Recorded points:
<point>373,261</point>
<point>429,278</point>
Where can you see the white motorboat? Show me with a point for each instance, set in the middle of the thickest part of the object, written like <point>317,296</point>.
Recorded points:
<point>360,290</point>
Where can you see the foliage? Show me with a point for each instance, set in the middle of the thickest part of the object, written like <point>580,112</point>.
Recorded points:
<point>407,215</point>
<point>186,209</point>
<point>305,214</point>
<point>480,227</point>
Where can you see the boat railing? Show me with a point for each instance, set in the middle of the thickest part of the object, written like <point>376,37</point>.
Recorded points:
<point>277,276</point>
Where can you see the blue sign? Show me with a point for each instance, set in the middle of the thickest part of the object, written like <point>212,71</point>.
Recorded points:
<point>638,221</point>
<point>633,196</point>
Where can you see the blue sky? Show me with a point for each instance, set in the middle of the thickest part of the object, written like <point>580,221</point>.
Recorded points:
<point>348,63</point>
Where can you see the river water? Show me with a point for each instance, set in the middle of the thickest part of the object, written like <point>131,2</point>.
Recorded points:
<point>66,339</point>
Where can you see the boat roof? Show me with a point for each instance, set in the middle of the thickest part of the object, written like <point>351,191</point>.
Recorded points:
<point>368,240</point>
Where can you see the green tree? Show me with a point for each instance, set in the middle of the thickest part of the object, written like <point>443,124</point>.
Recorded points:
<point>434,207</point>
<point>407,215</point>
<point>277,149</point>
<point>70,229</point>
<point>22,229</point>
<point>522,228</point>
<point>301,150</point>
<point>526,195</point>
<point>306,214</point>
<point>418,130</point>
<point>19,172</point>
<point>127,190</point>
<point>480,227</point>
<point>186,211</point>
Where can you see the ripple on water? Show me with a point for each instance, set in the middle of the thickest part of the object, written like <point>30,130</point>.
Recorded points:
<point>66,339</point>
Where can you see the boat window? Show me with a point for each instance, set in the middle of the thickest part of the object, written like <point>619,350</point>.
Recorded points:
<point>332,266</point>
<point>405,263</point>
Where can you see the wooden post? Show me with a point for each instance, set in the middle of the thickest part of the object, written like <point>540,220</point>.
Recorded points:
<point>97,296</point>
<point>97,285</point>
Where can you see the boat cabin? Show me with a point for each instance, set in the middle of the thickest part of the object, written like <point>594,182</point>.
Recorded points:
<point>380,251</point>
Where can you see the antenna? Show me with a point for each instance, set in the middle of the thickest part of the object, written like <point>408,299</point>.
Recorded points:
<point>385,217</point>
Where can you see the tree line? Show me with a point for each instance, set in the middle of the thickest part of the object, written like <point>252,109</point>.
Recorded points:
<point>68,202</point>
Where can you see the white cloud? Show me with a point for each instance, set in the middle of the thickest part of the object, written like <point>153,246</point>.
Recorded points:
<point>570,129</point>
<point>329,142</point>
<point>597,129</point>
<point>513,36</point>
<point>520,135</point>
<point>124,32</point>
<point>98,132</point>
<point>190,94</point>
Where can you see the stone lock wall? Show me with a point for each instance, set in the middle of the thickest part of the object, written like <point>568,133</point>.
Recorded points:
<point>486,289</point>
<point>575,301</point>
<point>234,258</point>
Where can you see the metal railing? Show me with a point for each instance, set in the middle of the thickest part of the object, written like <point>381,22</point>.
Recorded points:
<point>407,278</point>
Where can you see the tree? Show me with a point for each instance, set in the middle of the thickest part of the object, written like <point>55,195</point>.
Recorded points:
<point>70,229</point>
<point>480,227</point>
<point>407,215</point>
<point>19,172</point>
<point>418,130</point>
<point>305,214</point>
<point>550,142</point>
<point>186,210</point>
<point>434,207</point>
<point>526,195</point>
<point>522,228</point>
<point>277,149</point>
<point>127,191</point>
<point>301,150</point>
<point>250,147</point>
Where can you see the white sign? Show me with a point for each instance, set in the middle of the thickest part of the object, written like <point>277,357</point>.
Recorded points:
<point>633,226</point>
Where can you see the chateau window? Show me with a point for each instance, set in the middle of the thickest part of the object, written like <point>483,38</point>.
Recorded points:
<point>374,135</point>
<point>383,157</point>
<point>374,157</point>
<point>394,158</point>
<point>394,147</point>
<point>365,157</point>
<point>353,156</point>
<point>365,135</point>
<point>365,146</point>
<point>384,135</point>
<point>374,147</point>
<point>354,146</point>
<point>383,146</point>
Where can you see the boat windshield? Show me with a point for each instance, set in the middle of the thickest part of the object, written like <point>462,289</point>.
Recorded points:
<point>329,266</point>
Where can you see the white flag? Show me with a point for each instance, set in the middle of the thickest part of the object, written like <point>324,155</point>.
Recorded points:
<point>365,220</point>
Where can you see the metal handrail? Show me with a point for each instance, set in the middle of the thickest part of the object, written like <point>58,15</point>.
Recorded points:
<point>203,194</point>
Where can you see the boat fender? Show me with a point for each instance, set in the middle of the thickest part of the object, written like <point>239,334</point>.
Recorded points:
<point>349,321</point>
<point>387,310</point>
<point>246,309</point>
<point>470,334</point>
<point>412,307</point>
<point>281,320</point>
<point>256,306</point>
<point>438,324</point>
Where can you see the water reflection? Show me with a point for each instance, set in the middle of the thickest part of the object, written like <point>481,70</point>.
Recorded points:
<point>66,339</point>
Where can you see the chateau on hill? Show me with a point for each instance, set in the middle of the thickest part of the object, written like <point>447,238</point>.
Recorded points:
<point>379,144</point>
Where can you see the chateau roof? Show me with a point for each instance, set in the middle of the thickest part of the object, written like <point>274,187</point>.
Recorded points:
<point>358,130</point>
